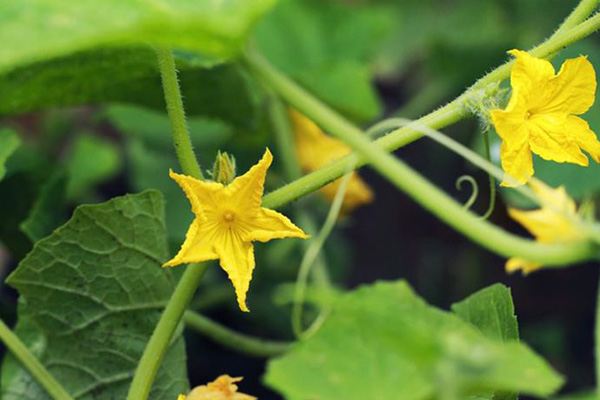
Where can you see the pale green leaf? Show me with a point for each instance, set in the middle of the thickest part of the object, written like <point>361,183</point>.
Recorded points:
<point>39,30</point>
<point>492,311</point>
<point>95,290</point>
<point>92,160</point>
<point>382,342</point>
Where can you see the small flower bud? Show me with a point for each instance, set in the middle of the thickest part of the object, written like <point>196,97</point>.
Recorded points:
<point>224,168</point>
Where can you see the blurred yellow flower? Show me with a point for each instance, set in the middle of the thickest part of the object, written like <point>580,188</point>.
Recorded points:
<point>227,220</point>
<point>315,149</point>
<point>222,388</point>
<point>555,222</point>
<point>541,115</point>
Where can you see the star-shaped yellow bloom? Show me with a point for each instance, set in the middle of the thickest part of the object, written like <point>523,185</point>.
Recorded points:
<point>315,149</point>
<point>227,220</point>
<point>555,222</point>
<point>541,115</point>
<point>223,388</point>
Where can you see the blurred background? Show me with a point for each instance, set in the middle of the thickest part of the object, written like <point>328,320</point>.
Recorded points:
<point>368,60</point>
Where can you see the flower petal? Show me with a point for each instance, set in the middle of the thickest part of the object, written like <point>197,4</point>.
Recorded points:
<point>573,90</point>
<point>268,225</point>
<point>237,259</point>
<point>223,388</point>
<point>530,75</point>
<point>203,195</point>
<point>515,264</point>
<point>197,246</point>
<point>549,137</point>
<point>580,132</point>
<point>247,190</point>
<point>515,155</point>
<point>548,225</point>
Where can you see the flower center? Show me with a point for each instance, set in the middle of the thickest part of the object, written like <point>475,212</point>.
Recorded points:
<point>528,115</point>
<point>229,216</point>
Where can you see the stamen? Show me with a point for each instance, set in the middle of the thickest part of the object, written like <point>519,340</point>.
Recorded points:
<point>229,216</point>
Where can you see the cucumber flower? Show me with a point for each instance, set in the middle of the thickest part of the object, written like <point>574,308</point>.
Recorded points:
<point>227,220</point>
<point>541,115</point>
<point>556,222</point>
<point>315,150</point>
<point>222,388</point>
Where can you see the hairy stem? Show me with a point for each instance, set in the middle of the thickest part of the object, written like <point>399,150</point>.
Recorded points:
<point>32,364</point>
<point>163,333</point>
<point>234,340</point>
<point>173,313</point>
<point>578,15</point>
<point>179,128</point>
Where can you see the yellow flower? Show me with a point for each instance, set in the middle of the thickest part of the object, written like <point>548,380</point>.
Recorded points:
<point>541,115</point>
<point>222,388</point>
<point>555,222</point>
<point>315,149</point>
<point>227,220</point>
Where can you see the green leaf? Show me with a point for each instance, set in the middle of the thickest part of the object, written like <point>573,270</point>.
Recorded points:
<point>149,170</point>
<point>466,26</point>
<point>154,128</point>
<point>48,210</point>
<point>328,47</point>
<point>92,160</point>
<point>95,291</point>
<point>492,311</point>
<point>384,342</point>
<point>127,75</point>
<point>40,30</point>
<point>9,142</point>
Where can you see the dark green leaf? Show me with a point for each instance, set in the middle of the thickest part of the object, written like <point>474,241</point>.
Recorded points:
<point>95,291</point>
<point>492,311</point>
<point>383,342</point>
<point>48,210</point>
<point>9,142</point>
<point>591,395</point>
<point>127,75</point>
<point>328,47</point>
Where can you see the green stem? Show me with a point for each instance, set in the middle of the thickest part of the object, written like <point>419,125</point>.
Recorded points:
<point>234,340</point>
<point>284,137</point>
<point>35,368</point>
<point>488,155</point>
<point>163,333</point>
<point>406,179</point>
<point>179,128</point>
<point>315,266</point>
<point>311,257</point>
<point>578,15</point>
<point>447,115</point>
